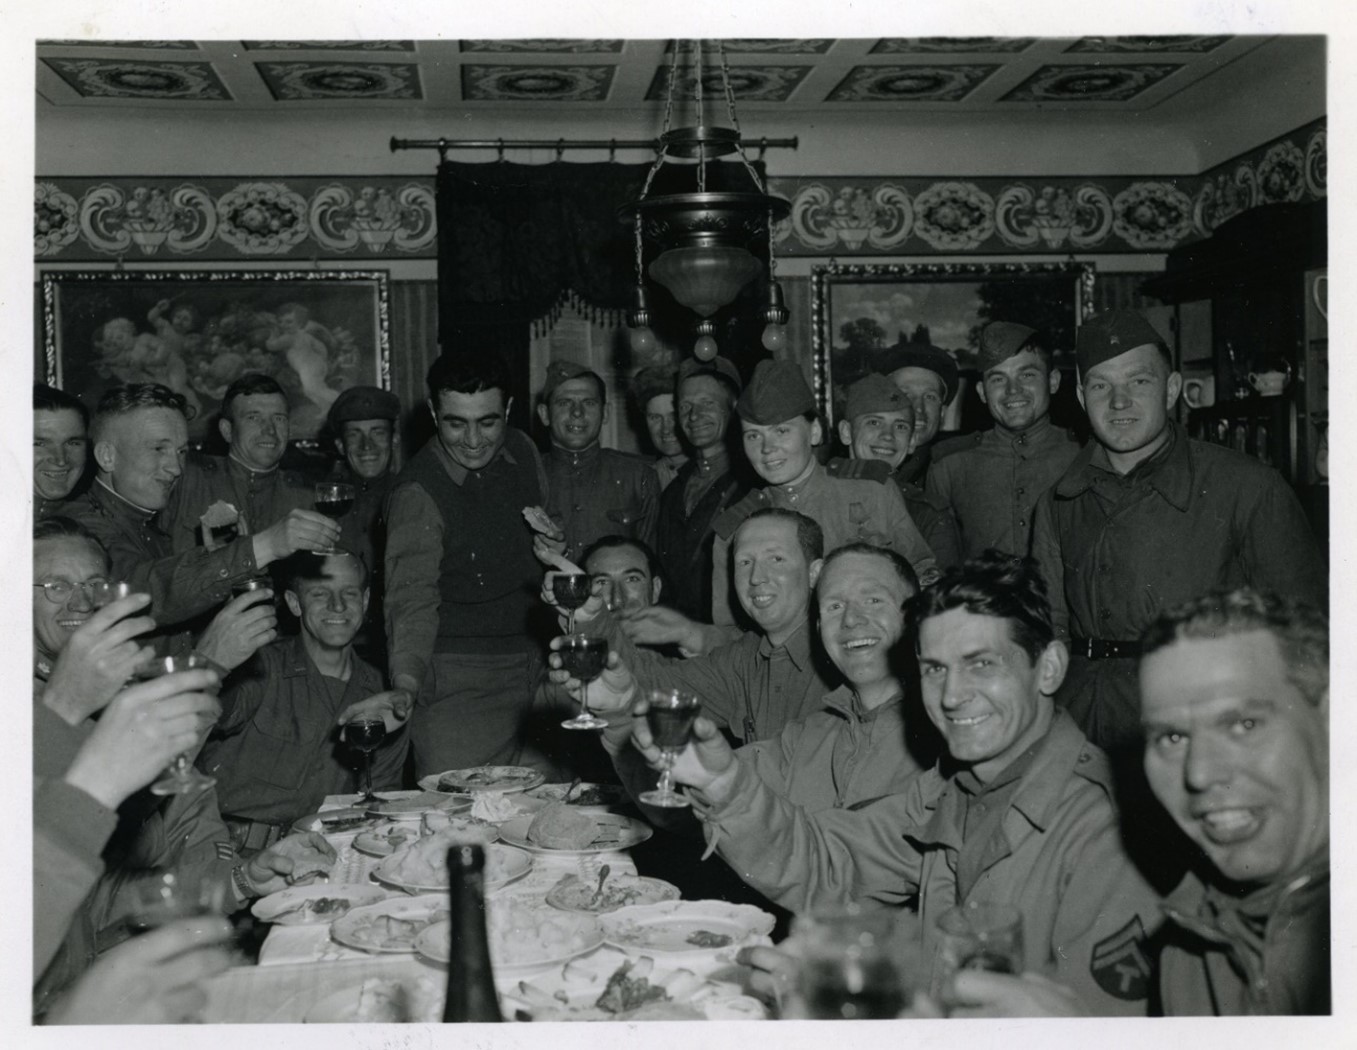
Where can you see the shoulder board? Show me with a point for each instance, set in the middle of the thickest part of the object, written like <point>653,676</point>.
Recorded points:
<point>729,519</point>
<point>959,443</point>
<point>627,457</point>
<point>859,470</point>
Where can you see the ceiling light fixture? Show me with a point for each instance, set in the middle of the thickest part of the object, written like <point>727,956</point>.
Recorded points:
<point>704,236</point>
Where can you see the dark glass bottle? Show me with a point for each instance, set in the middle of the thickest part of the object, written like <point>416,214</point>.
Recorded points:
<point>471,979</point>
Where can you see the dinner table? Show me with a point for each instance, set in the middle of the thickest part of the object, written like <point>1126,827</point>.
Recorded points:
<point>305,974</point>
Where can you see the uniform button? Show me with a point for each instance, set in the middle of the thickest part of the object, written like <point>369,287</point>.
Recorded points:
<point>1022,492</point>
<point>473,555</point>
<point>1105,613</point>
<point>222,574</point>
<point>1022,522</point>
<point>578,507</point>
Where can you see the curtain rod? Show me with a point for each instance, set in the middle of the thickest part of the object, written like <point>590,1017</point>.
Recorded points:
<point>560,145</point>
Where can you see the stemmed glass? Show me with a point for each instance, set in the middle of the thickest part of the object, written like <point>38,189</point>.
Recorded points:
<point>102,592</point>
<point>365,735</point>
<point>670,718</point>
<point>571,590</point>
<point>165,896</point>
<point>584,656</point>
<point>181,778</point>
<point>334,499</point>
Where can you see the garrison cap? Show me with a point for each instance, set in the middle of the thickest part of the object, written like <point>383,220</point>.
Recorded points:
<point>719,367</point>
<point>777,392</point>
<point>1110,334</point>
<point>874,393</point>
<point>559,370</point>
<point>363,402</point>
<point>924,355</point>
<point>1000,340</point>
<point>652,381</point>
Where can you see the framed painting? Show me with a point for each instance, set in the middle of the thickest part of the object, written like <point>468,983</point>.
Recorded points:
<point>859,312</point>
<point>315,331</point>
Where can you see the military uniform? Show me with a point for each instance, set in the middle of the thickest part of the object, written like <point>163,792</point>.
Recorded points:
<point>276,751</point>
<point>261,497</point>
<point>1117,550</point>
<point>602,492</point>
<point>992,483</point>
<point>932,516</point>
<point>684,533</point>
<point>182,585</point>
<point>861,504</point>
<point>1054,852</point>
<point>1264,953</point>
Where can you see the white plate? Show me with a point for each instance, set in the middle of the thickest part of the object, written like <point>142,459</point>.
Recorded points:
<point>521,950</point>
<point>669,927</point>
<point>619,891</point>
<point>317,822</point>
<point>503,864</point>
<point>569,993</point>
<point>277,907</point>
<point>633,831</point>
<point>354,930</point>
<point>397,835</point>
<point>505,779</point>
<point>608,796</point>
<point>415,804</point>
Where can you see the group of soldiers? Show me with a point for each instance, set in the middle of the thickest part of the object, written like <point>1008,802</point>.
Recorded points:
<point>927,666</point>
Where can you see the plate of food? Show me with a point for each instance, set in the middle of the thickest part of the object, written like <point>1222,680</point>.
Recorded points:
<point>562,829</point>
<point>336,822</point>
<point>673,927</point>
<point>380,1000</point>
<point>522,936</point>
<point>483,778</point>
<point>389,925</point>
<point>395,835</point>
<point>608,986</point>
<point>595,797</point>
<point>414,805</point>
<point>309,905</point>
<point>618,891</point>
<point>423,867</point>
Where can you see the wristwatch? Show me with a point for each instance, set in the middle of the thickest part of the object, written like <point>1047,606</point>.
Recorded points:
<point>244,890</point>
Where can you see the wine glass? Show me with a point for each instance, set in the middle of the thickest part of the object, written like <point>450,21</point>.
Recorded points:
<point>103,592</point>
<point>670,718</point>
<point>853,964</point>
<point>181,778</point>
<point>365,735</point>
<point>977,936</point>
<point>334,499</point>
<point>571,590</point>
<point>165,896</point>
<point>584,656</point>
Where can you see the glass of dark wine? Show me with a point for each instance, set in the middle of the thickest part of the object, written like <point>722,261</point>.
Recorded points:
<point>102,592</point>
<point>584,656</point>
<point>854,964</point>
<point>670,718</point>
<point>571,590</point>
<point>334,499</point>
<point>977,936</point>
<point>181,778</point>
<point>365,735</point>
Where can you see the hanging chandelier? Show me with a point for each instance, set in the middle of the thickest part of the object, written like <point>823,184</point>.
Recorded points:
<point>704,236</point>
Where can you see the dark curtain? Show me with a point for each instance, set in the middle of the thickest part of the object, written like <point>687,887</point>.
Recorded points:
<point>516,240</point>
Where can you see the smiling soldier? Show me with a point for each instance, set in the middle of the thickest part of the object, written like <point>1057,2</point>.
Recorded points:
<point>992,481</point>
<point>60,448</point>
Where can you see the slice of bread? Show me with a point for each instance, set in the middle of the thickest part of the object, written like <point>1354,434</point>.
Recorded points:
<point>559,826</point>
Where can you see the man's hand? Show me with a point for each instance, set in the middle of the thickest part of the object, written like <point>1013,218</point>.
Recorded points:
<point>611,693</point>
<point>141,731</point>
<point>300,530</point>
<point>152,979</point>
<point>244,625</point>
<point>99,658</point>
<point>393,707</point>
<point>978,993</point>
<point>774,970</point>
<point>661,625</point>
<point>288,862</point>
<point>707,763</point>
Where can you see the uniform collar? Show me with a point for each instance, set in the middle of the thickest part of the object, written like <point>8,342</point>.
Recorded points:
<point>124,504</point>
<point>797,646</point>
<point>240,467</point>
<point>710,466</point>
<point>574,460</point>
<point>1038,433</point>
<point>1169,471</point>
<point>799,490</point>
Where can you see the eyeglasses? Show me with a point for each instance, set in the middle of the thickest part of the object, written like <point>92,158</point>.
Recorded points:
<point>59,591</point>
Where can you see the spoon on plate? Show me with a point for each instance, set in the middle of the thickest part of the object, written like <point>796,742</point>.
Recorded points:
<point>603,874</point>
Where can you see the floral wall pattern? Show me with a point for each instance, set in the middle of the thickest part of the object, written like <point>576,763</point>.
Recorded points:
<point>82,219</point>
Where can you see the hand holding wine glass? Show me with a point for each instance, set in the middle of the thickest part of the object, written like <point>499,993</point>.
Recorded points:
<point>613,690</point>
<point>583,657</point>
<point>977,935</point>
<point>100,656</point>
<point>570,590</point>
<point>365,734</point>
<point>853,964</point>
<point>334,499</point>
<point>669,715</point>
<point>181,778</point>
<point>707,763</point>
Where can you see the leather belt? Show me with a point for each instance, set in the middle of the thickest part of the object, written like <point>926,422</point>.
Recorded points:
<point>253,835</point>
<point>1103,649</point>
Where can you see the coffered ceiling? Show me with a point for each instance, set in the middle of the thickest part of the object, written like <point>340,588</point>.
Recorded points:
<point>1129,74</point>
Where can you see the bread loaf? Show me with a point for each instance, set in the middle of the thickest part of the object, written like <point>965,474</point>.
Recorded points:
<point>558,826</point>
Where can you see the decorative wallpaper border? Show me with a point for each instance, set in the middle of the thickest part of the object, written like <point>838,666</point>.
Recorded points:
<point>84,219</point>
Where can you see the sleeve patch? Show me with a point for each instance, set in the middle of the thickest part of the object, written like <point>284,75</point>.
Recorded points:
<point>1119,963</point>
